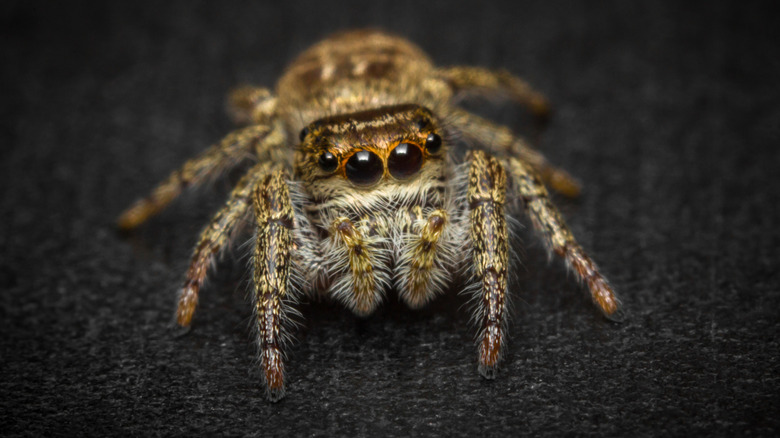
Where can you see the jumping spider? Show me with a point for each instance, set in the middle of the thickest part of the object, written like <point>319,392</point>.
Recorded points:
<point>356,190</point>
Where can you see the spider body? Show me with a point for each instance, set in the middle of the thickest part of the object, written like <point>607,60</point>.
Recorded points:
<point>356,191</point>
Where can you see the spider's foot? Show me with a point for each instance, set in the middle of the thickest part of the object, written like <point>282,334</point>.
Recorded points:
<point>273,373</point>
<point>541,110</point>
<point>563,183</point>
<point>134,216</point>
<point>619,316</point>
<point>188,300</point>
<point>605,298</point>
<point>490,351</point>
<point>488,372</point>
<point>178,331</point>
<point>275,394</point>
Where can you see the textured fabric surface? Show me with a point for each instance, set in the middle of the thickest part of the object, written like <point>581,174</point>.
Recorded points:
<point>669,114</point>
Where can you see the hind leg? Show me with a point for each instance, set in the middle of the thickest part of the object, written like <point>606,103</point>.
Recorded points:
<point>500,140</point>
<point>238,146</point>
<point>558,238</point>
<point>250,104</point>
<point>476,81</point>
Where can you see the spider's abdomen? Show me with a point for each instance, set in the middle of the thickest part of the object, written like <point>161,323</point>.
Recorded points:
<point>349,72</point>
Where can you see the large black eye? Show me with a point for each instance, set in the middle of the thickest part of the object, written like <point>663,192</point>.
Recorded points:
<point>433,143</point>
<point>404,161</point>
<point>364,168</point>
<point>328,162</point>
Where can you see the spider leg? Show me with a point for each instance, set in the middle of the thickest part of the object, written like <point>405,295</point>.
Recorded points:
<point>419,262</point>
<point>558,238</point>
<point>216,237</point>
<point>249,104</point>
<point>486,198</point>
<point>232,150</point>
<point>272,263</point>
<point>477,81</point>
<point>501,140</point>
<point>358,287</point>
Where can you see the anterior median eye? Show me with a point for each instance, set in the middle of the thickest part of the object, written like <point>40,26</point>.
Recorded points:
<point>404,161</point>
<point>364,168</point>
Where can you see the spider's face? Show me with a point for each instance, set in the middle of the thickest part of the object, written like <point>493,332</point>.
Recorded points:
<point>359,151</point>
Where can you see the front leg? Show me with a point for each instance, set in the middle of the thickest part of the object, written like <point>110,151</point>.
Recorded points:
<point>273,246</point>
<point>488,231</point>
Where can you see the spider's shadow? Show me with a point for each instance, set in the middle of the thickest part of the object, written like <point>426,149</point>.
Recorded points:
<point>393,330</point>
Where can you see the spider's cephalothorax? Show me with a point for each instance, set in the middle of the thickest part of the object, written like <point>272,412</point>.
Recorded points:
<point>355,192</point>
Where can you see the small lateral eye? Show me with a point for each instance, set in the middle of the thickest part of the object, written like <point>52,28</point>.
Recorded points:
<point>433,143</point>
<point>328,162</point>
<point>304,133</point>
<point>422,122</point>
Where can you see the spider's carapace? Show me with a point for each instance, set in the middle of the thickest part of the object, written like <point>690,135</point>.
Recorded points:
<point>356,191</point>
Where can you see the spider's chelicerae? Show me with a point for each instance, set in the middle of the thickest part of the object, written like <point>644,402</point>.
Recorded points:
<point>356,190</point>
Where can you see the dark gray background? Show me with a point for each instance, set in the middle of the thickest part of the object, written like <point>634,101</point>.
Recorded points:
<point>669,114</point>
